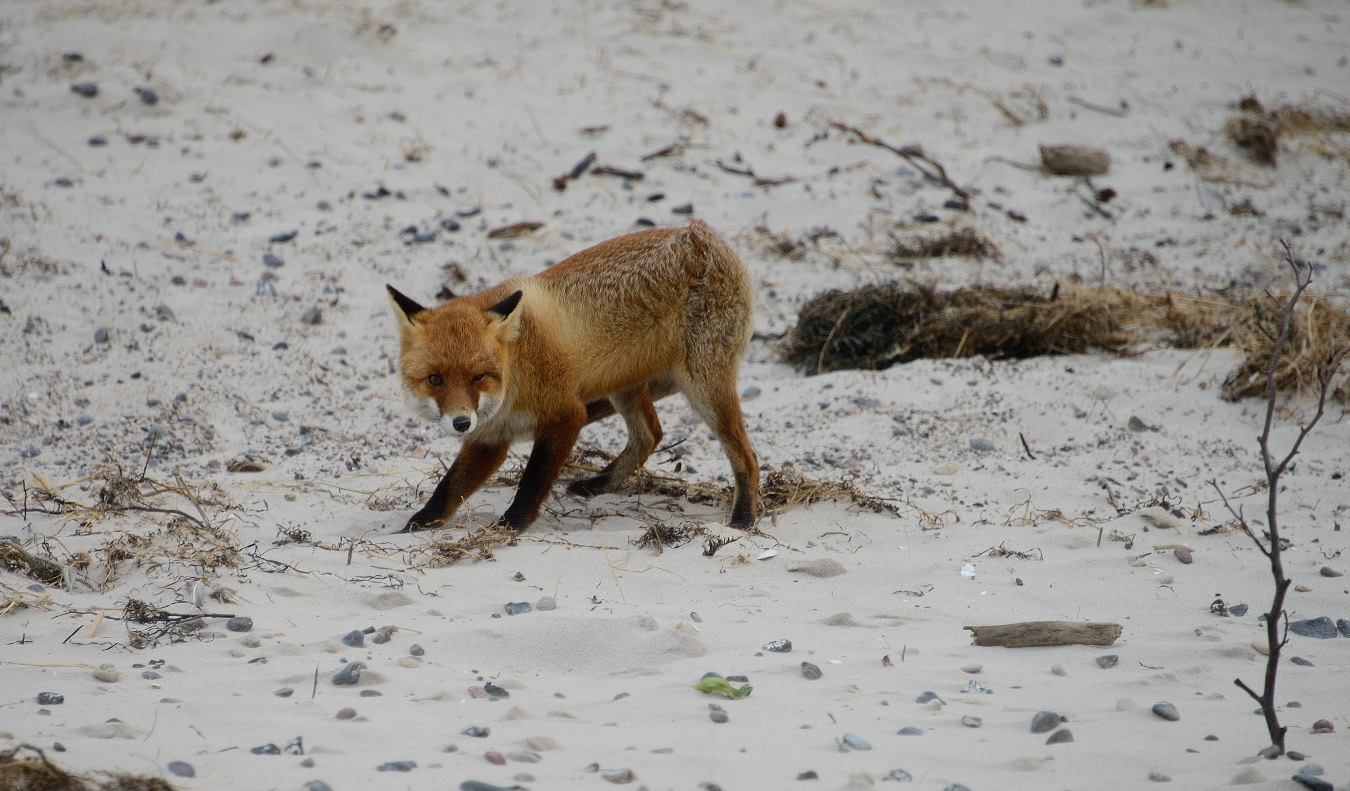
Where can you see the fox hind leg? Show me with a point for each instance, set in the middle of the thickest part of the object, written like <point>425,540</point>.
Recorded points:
<point>715,400</point>
<point>644,433</point>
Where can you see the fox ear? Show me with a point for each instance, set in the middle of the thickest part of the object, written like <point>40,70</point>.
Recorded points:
<point>506,306</point>
<point>404,305</point>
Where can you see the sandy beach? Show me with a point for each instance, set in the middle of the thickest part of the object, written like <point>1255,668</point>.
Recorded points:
<point>202,428</point>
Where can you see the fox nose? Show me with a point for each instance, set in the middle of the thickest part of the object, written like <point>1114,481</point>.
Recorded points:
<point>461,424</point>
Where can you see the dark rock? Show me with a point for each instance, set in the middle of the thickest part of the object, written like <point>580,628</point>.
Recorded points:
<point>809,774</point>
<point>312,316</point>
<point>1343,626</point>
<point>86,89</point>
<point>517,607</point>
<point>101,335</point>
<point>495,691</point>
<point>718,715</point>
<point>272,260</point>
<point>349,675</point>
<point>1313,783</point>
<point>450,224</point>
<point>1298,660</point>
<point>928,697</point>
<point>1108,661</point>
<point>1045,721</point>
<point>810,671</point>
<point>281,238</point>
<point>50,699</point>
<point>1322,628</point>
<point>317,785</point>
<point>782,646</point>
<point>98,141</point>
<point>181,769</point>
<point>416,650</point>
<point>150,675</point>
<point>148,95</point>
<point>1328,571</point>
<point>477,731</point>
<point>381,636</point>
<point>397,766</point>
<point>909,730</point>
<point>266,749</point>
<point>240,623</point>
<point>1167,711</point>
<point>900,775</point>
<point>1060,736</point>
<point>355,638</point>
<point>371,693</point>
<point>1238,609</point>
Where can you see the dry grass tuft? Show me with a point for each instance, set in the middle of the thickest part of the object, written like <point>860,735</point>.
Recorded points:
<point>1258,130</point>
<point>874,327</point>
<point>965,241</point>
<point>26,768</point>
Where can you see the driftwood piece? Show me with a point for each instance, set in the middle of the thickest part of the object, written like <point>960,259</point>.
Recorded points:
<point>1037,633</point>
<point>1075,160</point>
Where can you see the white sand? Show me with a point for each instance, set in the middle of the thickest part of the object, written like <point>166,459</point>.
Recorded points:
<point>493,102</point>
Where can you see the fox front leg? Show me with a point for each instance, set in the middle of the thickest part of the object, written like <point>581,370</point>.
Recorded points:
<point>473,466</point>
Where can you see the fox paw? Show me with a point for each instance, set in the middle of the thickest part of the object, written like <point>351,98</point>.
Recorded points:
<point>588,487</point>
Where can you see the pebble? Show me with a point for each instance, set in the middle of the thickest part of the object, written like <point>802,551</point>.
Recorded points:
<point>371,693</point>
<point>382,636</point>
<point>495,691</point>
<point>899,774</point>
<point>810,671</point>
<point>150,675</point>
<point>1045,721</point>
<point>854,741</point>
<point>750,392</point>
<point>98,141</point>
<point>477,731</point>
<point>1311,770</point>
<point>782,646</point>
<point>524,757</point>
<point>1298,660</point>
<point>975,686</point>
<point>355,638</point>
<point>494,757</point>
<point>1167,711</point>
<point>50,699</point>
<point>1321,726</point>
<point>450,224</point>
<point>809,774</point>
<point>1322,628</point>
<point>1108,661</point>
<point>317,785</point>
<point>971,722</point>
<point>84,419</point>
<point>618,776</point>
<point>981,444</point>
<point>101,335</point>
<point>284,236</point>
<point>416,650</point>
<point>955,787</point>
<point>1183,554</point>
<point>241,623</point>
<point>928,696</point>
<point>30,453</point>
<point>1159,777</point>
<point>284,692</point>
<point>1328,571</point>
<point>397,766</point>
<point>148,95</point>
<point>312,316</point>
<point>718,715</point>
<point>86,89</point>
<point>345,713</point>
<point>107,672</point>
<point>1238,609</point>
<point>181,769</point>
<point>972,669</point>
<point>1313,783</point>
<point>349,675</point>
<point>1343,626</point>
<point>822,568</point>
<point>1058,670</point>
<point>542,743</point>
<point>266,749</point>
<point>517,607</point>
<point>546,603</point>
<point>272,260</point>
<point>909,730</point>
<point>1260,646</point>
<point>1060,736</point>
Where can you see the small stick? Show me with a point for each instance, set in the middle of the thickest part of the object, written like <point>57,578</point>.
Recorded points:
<point>98,620</point>
<point>931,170</point>
<point>1101,108</point>
<point>560,183</point>
<point>1026,447</point>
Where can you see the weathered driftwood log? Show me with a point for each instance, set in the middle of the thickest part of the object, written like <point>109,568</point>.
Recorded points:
<point>1075,160</point>
<point>1034,633</point>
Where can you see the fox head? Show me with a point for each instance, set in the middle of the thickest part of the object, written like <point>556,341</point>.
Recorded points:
<point>455,358</point>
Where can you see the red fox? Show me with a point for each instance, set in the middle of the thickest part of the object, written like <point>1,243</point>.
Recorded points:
<point>610,329</point>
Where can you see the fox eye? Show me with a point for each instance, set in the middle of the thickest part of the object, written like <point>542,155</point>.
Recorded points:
<point>478,377</point>
<point>435,380</point>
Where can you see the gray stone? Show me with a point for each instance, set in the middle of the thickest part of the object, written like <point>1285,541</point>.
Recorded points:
<point>810,671</point>
<point>397,766</point>
<point>781,646</point>
<point>1108,661</point>
<point>181,769</point>
<point>241,623</point>
<point>1238,609</point>
<point>1328,571</point>
<point>981,444</point>
<point>928,697</point>
<point>517,607</point>
<point>1167,711</point>
<point>1045,721</point>
<point>50,699</point>
<point>349,675</point>
<point>899,774</point>
<point>1313,783</point>
<point>1060,736</point>
<point>355,638</point>
<point>909,730</point>
<point>312,316</point>
<point>855,741</point>
<point>101,335</point>
<point>1323,628</point>
<point>1343,626</point>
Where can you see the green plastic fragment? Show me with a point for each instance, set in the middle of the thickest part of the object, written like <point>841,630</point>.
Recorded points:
<point>722,687</point>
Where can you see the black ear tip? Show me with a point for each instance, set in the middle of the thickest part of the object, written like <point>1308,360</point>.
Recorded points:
<point>409,307</point>
<point>507,305</point>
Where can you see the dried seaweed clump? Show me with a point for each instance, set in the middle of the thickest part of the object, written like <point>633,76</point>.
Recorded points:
<point>786,488</point>
<point>17,559</point>
<point>1258,130</point>
<point>26,768</point>
<point>1318,332</point>
<point>876,326</point>
<point>476,546</point>
<point>964,241</point>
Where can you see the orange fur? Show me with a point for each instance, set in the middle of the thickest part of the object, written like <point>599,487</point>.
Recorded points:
<point>609,329</point>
